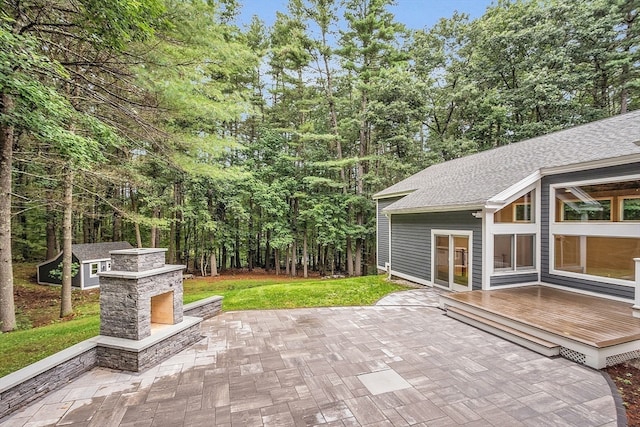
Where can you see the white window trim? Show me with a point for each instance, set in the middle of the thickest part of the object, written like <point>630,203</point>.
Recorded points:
<point>451,233</point>
<point>595,221</point>
<point>621,210</point>
<point>515,269</point>
<point>515,213</point>
<point>91,273</point>
<point>491,228</point>
<point>552,195</point>
<point>591,228</point>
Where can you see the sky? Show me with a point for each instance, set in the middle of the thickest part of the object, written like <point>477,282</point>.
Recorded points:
<point>415,14</point>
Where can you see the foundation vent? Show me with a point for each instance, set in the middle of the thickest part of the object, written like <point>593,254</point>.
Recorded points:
<point>622,357</point>
<point>574,356</point>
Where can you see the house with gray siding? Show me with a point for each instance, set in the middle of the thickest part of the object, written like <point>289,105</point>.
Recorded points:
<point>561,210</point>
<point>91,258</point>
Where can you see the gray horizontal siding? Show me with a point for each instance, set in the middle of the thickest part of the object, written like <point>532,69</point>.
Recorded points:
<point>411,242</point>
<point>513,279</point>
<point>604,288</point>
<point>382,228</point>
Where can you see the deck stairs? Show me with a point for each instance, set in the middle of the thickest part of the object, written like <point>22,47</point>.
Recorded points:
<point>541,340</point>
<point>497,325</point>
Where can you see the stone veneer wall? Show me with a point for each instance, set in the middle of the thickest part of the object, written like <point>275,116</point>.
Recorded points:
<point>35,387</point>
<point>204,308</point>
<point>144,260</point>
<point>119,319</point>
<point>135,361</point>
<point>136,276</point>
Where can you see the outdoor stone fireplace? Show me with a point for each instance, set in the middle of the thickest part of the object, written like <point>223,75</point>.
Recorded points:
<point>141,310</point>
<point>139,294</point>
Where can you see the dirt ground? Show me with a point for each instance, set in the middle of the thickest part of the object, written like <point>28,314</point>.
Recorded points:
<point>39,305</point>
<point>627,379</point>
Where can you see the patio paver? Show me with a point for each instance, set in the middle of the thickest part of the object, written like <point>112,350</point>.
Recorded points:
<point>301,367</point>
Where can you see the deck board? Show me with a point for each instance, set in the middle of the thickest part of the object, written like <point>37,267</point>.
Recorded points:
<point>598,322</point>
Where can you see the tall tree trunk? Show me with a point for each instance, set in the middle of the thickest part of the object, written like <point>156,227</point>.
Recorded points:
<point>223,258</point>
<point>116,235</point>
<point>250,253</point>
<point>51,233</point>
<point>67,239</point>
<point>7,306</point>
<point>214,264</point>
<point>154,229</point>
<point>238,264</point>
<point>305,254</point>
<point>277,261</point>
<point>136,226</point>
<point>178,199</point>
<point>287,264</point>
<point>349,257</point>
<point>171,253</point>
<point>267,252</point>
<point>294,259</point>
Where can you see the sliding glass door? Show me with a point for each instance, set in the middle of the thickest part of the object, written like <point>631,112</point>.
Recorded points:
<point>452,261</point>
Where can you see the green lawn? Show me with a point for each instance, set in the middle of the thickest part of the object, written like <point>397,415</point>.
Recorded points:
<point>272,293</point>
<point>21,348</point>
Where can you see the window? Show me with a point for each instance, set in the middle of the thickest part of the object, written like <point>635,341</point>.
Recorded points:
<point>602,256</point>
<point>595,234</point>
<point>513,252</point>
<point>520,210</point>
<point>630,209</point>
<point>594,210</point>
<point>612,201</point>
<point>93,268</point>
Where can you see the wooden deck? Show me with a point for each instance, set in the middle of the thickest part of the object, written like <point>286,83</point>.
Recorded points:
<point>596,322</point>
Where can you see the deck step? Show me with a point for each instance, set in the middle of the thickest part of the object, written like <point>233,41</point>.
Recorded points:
<point>531,342</point>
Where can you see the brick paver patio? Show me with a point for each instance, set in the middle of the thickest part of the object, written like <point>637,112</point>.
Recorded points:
<point>399,363</point>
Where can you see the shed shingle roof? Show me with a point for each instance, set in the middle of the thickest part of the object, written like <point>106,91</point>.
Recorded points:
<point>473,180</point>
<point>90,251</point>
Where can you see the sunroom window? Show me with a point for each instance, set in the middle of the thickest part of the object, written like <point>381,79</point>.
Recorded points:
<point>594,232</point>
<point>513,252</point>
<point>630,209</point>
<point>602,256</point>
<point>518,211</point>
<point>613,201</point>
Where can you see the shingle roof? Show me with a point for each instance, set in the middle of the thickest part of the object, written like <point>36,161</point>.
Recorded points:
<point>90,251</point>
<point>473,180</point>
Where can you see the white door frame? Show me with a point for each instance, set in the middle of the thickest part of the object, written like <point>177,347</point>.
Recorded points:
<point>451,234</point>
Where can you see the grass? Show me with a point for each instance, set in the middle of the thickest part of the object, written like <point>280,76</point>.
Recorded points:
<point>272,294</point>
<point>23,347</point>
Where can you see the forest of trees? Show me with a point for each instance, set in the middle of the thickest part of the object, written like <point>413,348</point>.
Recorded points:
<point>167,124</point>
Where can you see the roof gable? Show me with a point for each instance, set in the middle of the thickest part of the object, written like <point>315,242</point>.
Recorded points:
<point>474,179</point>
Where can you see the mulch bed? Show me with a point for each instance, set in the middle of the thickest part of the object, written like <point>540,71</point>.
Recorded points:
<point>627,379</point>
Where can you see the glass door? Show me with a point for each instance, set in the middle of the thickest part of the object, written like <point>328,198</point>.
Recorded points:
<point>452,261</point>
<point>442,260</point>
<point>460,263</point>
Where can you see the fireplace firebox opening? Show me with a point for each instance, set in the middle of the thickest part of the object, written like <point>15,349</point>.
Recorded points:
<point>161,311</point>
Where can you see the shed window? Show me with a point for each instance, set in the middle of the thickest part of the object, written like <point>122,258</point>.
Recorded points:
<point>93,269</point>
